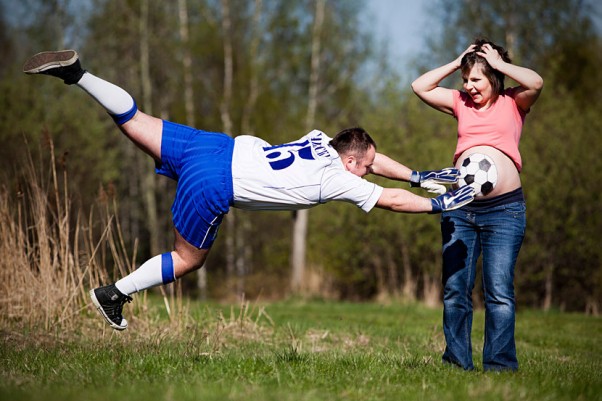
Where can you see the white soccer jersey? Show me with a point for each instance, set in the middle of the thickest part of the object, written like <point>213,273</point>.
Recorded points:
<point>296,175</point>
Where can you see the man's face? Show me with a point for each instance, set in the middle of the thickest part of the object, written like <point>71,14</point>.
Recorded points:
<point>363,166</point>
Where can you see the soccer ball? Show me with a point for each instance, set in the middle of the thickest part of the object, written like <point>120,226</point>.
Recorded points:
<point>478,171</point>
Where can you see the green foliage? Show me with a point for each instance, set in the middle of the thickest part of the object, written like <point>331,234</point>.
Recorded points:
<point>532,31</point>
<point>36,109</point>
<point>563,194</point>
<point>353,255</point>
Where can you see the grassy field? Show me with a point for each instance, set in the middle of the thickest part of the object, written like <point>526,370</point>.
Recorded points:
<point>298,350</point>
<point>54,346</point>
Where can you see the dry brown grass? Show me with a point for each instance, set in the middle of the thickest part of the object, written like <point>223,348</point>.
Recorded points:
<point>51,256</point>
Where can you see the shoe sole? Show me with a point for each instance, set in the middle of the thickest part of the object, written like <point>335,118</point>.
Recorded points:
<point>104,315</point>
<point>47,60</point>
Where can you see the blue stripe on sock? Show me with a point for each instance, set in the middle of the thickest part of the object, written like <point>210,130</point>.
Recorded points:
<point>121,119</point>
<point>167,271</point>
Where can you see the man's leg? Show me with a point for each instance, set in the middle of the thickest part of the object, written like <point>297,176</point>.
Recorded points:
<point>146,132</point>
<point>165,268</point>
<point>142,129</point>
<point>159,270</point>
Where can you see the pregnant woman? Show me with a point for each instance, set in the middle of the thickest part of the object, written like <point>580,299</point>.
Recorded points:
<point>490,120</point>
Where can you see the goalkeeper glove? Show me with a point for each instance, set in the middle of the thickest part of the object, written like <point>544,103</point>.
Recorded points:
<point>453,200</point>
<point>433,181</point>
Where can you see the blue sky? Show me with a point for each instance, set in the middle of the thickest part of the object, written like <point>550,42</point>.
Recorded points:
<point>400,23</point>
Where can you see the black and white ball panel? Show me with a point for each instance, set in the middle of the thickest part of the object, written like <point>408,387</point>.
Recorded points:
<point>479,171</point>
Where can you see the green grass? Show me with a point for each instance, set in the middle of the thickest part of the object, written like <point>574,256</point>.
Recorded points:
<point>302,351</point>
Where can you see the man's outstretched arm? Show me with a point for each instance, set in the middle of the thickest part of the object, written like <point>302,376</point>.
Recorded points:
<point>400,200</point>
<point>433,181</point>
<point>386,167</point>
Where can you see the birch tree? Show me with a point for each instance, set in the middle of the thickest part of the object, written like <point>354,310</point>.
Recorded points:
<point>226,118</point>
<point>148,180</point>
<point>301,217</point>
<point>244,227</point>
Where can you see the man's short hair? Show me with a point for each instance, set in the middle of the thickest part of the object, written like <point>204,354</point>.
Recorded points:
<point>353,141</point>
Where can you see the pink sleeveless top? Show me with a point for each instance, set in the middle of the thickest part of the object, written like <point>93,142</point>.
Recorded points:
<point>500,126</point>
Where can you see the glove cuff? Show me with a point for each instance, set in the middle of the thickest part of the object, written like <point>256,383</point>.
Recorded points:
<point>415,179</point>
<point>436,206</point>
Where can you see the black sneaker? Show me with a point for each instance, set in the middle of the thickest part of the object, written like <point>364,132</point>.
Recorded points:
<point>63,64</point>
<point>109,302</point>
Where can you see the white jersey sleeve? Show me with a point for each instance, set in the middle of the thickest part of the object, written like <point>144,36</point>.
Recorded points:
<point>341,185</point>
<point>295,175</point>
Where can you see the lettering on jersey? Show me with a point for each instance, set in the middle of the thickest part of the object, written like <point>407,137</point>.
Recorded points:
<point>316,141</point>
<point>282,156</point>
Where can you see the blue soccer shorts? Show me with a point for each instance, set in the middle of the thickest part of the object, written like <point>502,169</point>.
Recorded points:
<point>201,163</point>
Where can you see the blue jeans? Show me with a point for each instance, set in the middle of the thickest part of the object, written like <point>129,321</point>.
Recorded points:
<point>497,232</point>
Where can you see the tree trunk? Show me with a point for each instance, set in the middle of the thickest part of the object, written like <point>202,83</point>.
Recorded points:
<point>249,107</point>
<point>301,217</point>
<point>409,282</point>
<point>591,306</point>
<point>189,106</point>
<point>148,180</point>
<point>243,227</point>
<point>432,289</point>
<point>228,69</point>
<point>186,63</point>
<point>548,286</point>
<point>382,289</point>
<point>225,106</point>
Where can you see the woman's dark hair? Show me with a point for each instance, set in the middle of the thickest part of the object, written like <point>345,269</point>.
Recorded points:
<point>494,76</point>
<point>352,141</point>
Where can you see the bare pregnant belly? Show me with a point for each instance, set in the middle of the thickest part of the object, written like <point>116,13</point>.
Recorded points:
<point>508,177</point>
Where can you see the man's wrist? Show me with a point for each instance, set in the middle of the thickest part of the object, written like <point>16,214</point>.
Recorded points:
<point>436,206</point>
<point>415,179</point>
